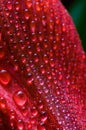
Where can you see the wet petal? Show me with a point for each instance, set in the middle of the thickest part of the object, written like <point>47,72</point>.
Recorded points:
<point>42,52</point>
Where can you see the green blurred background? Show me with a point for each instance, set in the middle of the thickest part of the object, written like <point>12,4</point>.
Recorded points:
<point>77,9</point>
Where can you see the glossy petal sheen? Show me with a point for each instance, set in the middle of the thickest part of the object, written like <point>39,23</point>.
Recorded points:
<point>42,67</point>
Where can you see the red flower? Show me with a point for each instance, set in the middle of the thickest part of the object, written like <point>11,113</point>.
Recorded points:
<point>42,67</point>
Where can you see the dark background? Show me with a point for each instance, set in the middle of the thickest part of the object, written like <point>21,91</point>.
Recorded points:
<point>77,9</point>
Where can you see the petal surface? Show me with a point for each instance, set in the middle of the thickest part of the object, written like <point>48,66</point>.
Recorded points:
<point>43,66</point>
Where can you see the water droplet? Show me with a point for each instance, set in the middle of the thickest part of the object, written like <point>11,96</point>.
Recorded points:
<point>9,6</point>
<point>16,68</point>
<point>34,112</point>
<point>38,7</point>
<point>20,125</point>
<point>29,126</point>
<point>44,118</point>
<point>17,6</point>
<point>41,128</point>
<point>2,52</point>
<point>5,77</point>
<point>12,115</point>
<point>25,110</point>
<point>33,28</point>
<point>28,3</point>
<point>2,103</point>
<point>12,119</point>
<point>30,80</point>
<point>40,105</point>
<point>27,15</point>
<point>20,98</point>
<point>33,121</point>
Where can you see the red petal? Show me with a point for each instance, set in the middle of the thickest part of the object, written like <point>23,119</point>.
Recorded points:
<point>40,50</point>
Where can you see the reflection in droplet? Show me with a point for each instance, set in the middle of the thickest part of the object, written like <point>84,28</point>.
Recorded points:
<point>20,98</point>
<point>5,77</point>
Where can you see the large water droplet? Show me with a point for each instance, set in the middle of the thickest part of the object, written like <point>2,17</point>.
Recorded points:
<point>5,77</point>
<point>20,98</point>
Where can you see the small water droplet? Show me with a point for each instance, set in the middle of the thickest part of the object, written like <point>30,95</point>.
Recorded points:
<point>20,125</point>
<point>20,98</point>
<point>44,118</point>
<point>16,68</point>
<point>30,80</point>
<point>9,6</point>
<point>27,16</point>
<point>34,112</point>
<point>33,121</point>
<point>29,126</point>
<point>5,77</point>
<point>2,52</point>
<point>12,115</point>
<point>25,110</point>
<point>2,103</point>
<point>40,105</point>
<point>41,127</point>
<point>28,3</point>
<point>17,6</point>
<point>38,8</point>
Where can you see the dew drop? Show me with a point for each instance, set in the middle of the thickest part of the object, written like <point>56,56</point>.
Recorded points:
<point>27,15</point>
<point>25,110</point>
<point>33,121</point>
<point>5,77</point>
<point>2,103</point>
<point>40,106</point>
<point>16,68</point>
<point>29,126</point>
<point>34,112</point>
<point>9,6</point>
<point>33,28</point>
<point>44,118</point>
<point>20,98</point>
<point>12,115</point>
<point>38,6</point>
<point>29,3</point>
<point>41,128</point>
<point>30,80</point>
<point>20,125</point>
<point>17,6</point>
<point>12,119</point>
<point>2,53</point>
